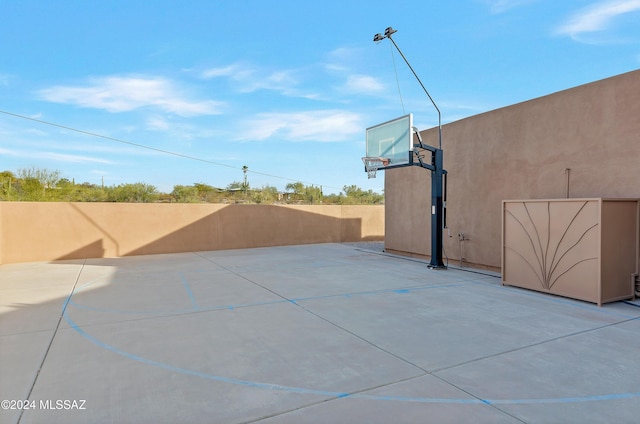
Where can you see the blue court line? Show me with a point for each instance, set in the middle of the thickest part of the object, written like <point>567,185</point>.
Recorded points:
<point>596,398</point>
<point>198,308</point>
<point>331,394</point>
<point>502,401</point>
<point>192,298</point>
<point>172,311</point>
<point>334,394</point>
<point>186,371</point>
<point>377,292</point>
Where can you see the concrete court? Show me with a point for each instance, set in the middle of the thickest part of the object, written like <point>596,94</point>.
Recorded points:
<point>324,333</point>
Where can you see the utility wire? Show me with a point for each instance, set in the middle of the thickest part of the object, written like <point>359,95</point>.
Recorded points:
<point>393,58</point>
<point>142,146</point>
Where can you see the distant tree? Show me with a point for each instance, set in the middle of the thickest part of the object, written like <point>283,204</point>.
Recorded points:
<point>268,194</point>
<point>303,193</point>
<point>7,185</point>
<point>313,194</point>
<point>295,192</point>
<point>352,190</point>
<point>64,182</point>
<point>46,177</point>
<point>31,189</point>
<point>92,193</point>
<point>7,174</point>
<point>296,188</point>
<point>66,191</point>
<point>133,193</point>
<point>354,195</point>
<point>235,185</point>
<point>185,194</point>
<point>203,189</point>
<point>333,199</point>
<point>35,182</point>
<point>207,193</point>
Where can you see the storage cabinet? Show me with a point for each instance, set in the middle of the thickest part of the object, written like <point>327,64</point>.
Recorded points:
<point>585,249</point>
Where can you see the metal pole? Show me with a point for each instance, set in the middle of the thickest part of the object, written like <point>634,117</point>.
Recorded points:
<point>437,211</point>
<point>437,203</point>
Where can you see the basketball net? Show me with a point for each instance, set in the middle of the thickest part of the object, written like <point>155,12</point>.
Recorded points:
<point>372,164</point>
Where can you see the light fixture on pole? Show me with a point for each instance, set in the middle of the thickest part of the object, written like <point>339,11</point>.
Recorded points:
<point>438,200</point>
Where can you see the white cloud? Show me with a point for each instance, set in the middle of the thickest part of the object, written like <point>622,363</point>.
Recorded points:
<point>8,152</point>
<point>283,81</point>
<point>501,6</point>
<point>340,59</point>
<point>225,71</point>
<point>5,79</point>
<point>292,82</point>
<point>61,157</point>
<point>363,84</point>
<point>597,17</point>
<point>249,79</point>
<point>123,94</point>
<point>58,157</point>
<point>157,124</point>
<point>323,125</point>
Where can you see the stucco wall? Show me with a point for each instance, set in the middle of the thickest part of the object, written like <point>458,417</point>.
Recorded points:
<point>32,231</point>
<point>520,152</point>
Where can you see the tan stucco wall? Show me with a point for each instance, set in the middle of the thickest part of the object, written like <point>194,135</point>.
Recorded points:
<point>520,152</point>
<point>32,231</point>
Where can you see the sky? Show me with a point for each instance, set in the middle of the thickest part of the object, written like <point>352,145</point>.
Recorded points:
<point>175,93</point>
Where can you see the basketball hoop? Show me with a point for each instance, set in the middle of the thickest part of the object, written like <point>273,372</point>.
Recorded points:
<point>372,164</point>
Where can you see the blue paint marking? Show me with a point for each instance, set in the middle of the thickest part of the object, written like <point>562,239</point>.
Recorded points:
<point>596,398</point>
<point>333,394</point>
<point>172,311</point>
<point>192,298</point>
<point>186,371</point>
<point>131,312</point>
<point>197,307</point>
<point>325,393</point>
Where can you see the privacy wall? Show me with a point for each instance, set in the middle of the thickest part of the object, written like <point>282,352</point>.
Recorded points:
<point>582,142</point>
<point>31,231</point>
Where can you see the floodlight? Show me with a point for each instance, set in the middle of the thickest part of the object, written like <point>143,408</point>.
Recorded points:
<point>389,31</point>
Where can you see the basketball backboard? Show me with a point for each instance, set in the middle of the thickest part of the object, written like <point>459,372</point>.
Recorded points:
<point>392,140</point>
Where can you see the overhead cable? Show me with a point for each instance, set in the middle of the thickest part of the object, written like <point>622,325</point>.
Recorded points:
<point>142,146</point>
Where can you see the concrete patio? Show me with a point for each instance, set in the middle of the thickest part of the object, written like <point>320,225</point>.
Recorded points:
<point>322,333</point>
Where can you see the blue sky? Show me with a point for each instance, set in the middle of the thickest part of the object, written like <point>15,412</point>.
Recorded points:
<point>284,87</point>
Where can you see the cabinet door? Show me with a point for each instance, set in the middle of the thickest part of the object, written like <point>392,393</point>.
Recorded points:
<point>553,246</point>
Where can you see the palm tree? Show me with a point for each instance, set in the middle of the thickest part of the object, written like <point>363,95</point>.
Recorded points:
<point>245,185</point>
